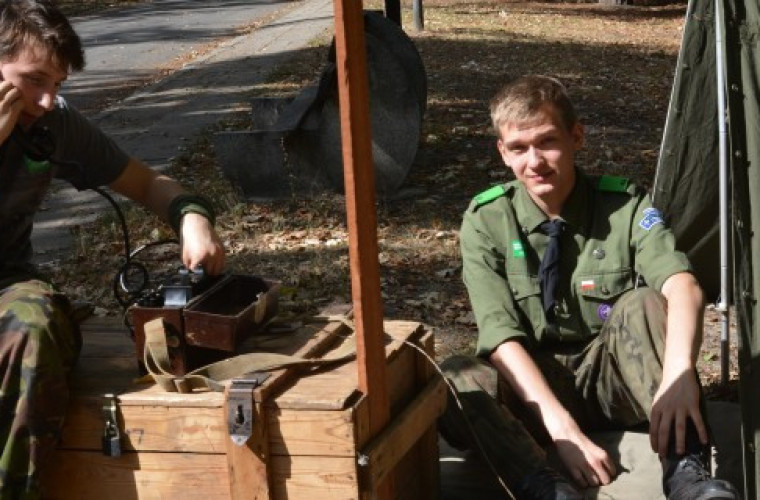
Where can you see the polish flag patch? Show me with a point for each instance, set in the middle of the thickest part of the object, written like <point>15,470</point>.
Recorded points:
<point>587,285</point>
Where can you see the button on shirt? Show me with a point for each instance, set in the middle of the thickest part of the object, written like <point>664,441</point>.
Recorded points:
<point>609,237</point>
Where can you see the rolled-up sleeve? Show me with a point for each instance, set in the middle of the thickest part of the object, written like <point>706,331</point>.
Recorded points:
<point>654,243</point>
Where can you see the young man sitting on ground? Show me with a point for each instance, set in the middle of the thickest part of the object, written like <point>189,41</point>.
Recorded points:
<point>588,317</point>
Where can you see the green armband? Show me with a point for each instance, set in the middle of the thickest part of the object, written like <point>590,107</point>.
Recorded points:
<point>186,204</point>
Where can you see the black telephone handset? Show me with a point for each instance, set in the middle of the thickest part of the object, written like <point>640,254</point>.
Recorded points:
<point>37,143</point>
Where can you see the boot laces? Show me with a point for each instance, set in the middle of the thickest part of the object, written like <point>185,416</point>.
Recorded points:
<point>693,465</point>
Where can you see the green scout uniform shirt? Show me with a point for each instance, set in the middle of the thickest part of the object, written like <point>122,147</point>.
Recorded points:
<point>611,235</point>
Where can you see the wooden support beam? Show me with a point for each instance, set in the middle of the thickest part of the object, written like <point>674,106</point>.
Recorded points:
<point>353,91</point>
<point>385,450</point>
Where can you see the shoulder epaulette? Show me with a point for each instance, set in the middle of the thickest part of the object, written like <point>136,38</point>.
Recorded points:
<point>614,184</point>
<point>489,195</point>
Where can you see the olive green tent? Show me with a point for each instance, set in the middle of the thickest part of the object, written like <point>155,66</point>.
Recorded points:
<point>722,55</point>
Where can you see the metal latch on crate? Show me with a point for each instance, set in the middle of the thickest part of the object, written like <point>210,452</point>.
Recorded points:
<point>240,406</point>
<point>111,440</point>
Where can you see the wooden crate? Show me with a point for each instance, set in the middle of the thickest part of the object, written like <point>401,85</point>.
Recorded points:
<point>310,431</point>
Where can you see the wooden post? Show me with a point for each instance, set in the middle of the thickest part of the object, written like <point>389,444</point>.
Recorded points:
<point>353,91</point>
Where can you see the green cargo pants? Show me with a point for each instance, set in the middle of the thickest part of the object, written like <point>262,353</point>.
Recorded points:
<point>39,345</point>
<point>609,384</point>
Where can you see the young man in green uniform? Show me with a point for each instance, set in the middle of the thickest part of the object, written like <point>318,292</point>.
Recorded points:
<point>588,317</point>
<point>39,342</point>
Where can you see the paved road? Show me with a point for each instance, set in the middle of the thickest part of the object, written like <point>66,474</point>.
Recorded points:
<point>132,44</point>
<point>156,121</point>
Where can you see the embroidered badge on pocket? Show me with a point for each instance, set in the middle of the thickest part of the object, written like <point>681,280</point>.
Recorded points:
<point>518,250</point>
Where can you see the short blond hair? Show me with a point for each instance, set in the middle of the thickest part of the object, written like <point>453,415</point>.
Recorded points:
<point>521,100</point>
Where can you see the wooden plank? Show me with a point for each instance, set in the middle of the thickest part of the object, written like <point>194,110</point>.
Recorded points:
<point>247,463</point>
<point>314,478</point>
<point>333,388</point>
<point>320,339</point>
<point>428,477</point>
<point>103,324</point>
<point>151,394</point>
<point>387,448</point>
<point>149,428</point>
<point>111,341</point>
<point>401,379</point>
<point>353,92</point>
<point>409,473</point>
<point>314,432</point>
<point>85,475</point>
<point>204,430</point>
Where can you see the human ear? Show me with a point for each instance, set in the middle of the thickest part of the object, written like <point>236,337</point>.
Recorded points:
<point>578,133</point>
<point>502,151</point>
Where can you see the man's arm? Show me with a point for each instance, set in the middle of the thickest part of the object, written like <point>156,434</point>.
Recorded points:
<point>200,243</point>
<point>589,464</point>
<point>678,396</point>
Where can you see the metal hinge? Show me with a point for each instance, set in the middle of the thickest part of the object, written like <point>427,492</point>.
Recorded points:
<point>240,407</point>
<point>111,441</point>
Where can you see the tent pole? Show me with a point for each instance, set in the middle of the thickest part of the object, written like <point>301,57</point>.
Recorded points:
<point>724,302</point>
<point>359,176</point>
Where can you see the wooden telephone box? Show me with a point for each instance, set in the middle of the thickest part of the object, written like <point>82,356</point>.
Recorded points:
<point>308,432</point>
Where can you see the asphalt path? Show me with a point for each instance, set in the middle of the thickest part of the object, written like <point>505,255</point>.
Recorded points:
<point>218,51</point>
<point>128,46</point>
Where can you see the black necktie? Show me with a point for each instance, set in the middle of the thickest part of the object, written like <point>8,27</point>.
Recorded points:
<point>548,271</point>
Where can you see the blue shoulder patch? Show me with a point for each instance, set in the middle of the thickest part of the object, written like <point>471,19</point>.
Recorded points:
<point>652,217</point>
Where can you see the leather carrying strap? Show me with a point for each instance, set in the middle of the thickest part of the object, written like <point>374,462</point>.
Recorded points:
<point>158,364</point>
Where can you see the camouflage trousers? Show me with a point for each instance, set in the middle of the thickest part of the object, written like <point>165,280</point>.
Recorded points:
<point>39,345</point>
<point>609,384</point>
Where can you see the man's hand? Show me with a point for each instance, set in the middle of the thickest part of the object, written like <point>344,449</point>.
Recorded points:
<point>11,105</point>
<point>201,245</point>
<point>588,464</point>
<point>676,400</point>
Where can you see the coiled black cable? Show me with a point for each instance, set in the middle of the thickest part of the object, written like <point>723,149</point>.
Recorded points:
<point>38,145</point>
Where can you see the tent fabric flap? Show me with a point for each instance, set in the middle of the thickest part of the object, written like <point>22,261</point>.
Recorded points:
<point>686,185</point>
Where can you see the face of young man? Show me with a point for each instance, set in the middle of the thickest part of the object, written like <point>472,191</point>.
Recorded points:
<point>541,153</point>
<point>38,78</point>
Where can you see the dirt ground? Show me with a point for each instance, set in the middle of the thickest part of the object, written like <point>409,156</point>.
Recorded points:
<point>618,64</point>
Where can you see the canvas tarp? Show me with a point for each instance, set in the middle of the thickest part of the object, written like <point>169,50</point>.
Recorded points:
<point>686,187</point>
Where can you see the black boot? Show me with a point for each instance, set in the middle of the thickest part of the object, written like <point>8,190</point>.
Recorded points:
<point>547,484</point>
<point>688,479</point>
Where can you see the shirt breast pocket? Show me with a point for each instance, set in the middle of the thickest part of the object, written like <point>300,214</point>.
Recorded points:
<point>598,294</point>
<point>526,290</point>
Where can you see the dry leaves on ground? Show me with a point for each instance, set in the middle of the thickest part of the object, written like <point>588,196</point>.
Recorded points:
<point>618,64</point>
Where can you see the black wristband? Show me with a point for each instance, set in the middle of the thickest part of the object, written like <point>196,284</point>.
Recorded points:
<point>189,203</point>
